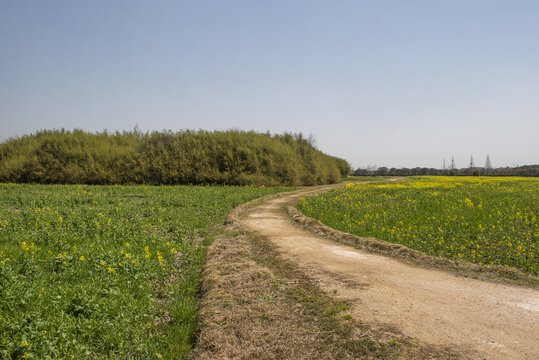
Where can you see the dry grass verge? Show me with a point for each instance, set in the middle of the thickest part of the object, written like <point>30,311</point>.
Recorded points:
<point>251,311</point>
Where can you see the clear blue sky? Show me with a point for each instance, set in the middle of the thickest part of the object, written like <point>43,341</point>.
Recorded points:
<point>392,83</point>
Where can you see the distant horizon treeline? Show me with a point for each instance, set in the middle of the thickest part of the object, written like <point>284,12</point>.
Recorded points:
<point>526,170</point>
<point>231,157</point>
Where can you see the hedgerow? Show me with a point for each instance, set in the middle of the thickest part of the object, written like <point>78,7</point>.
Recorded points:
<point>186,157</point>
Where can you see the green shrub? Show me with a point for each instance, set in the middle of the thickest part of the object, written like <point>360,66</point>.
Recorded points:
<point>185,157</point>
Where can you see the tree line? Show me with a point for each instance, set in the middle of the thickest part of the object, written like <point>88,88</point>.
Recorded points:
<point>527,170</point>
<point>231,157</point>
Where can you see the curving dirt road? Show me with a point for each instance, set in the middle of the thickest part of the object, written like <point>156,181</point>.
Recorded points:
<point>476,319</point>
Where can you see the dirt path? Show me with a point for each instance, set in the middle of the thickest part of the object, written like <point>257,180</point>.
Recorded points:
<point>480,320</point>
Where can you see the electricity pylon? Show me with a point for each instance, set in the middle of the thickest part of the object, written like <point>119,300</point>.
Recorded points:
<point>488,165</point>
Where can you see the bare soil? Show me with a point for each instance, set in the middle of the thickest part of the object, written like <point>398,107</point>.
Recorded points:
<point>436,309</point>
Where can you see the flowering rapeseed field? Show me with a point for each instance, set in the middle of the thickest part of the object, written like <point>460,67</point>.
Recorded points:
<point>104,272</point>
<point>484,220</point>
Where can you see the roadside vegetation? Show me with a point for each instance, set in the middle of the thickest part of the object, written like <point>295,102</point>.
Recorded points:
<point>482,220</point>
<point>112,272</point>
<point>186,157</point>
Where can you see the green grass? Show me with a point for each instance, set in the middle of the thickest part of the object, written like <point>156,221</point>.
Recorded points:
<point>478,219</point>
<point>105,271</point>
<point>363,178</point>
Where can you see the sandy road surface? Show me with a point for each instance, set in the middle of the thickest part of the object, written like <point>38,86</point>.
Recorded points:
<point>480,320</point>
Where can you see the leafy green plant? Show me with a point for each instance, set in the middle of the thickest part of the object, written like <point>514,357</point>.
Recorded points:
<point>184,157</point>
<point>105,271</point>
<point>483,220</point>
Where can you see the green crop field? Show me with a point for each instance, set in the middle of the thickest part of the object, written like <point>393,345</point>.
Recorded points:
<point>105,272</point>
<point>482,220</point>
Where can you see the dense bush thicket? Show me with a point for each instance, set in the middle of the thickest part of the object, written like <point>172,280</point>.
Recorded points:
<point>185,157</point>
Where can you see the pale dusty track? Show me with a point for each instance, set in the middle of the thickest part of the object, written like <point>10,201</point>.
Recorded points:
<point>480,320</point>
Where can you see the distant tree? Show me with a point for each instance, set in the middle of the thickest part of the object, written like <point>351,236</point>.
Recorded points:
<point>382,171</point>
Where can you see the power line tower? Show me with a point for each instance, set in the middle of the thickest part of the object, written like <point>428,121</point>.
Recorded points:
<point>443,167</point>
<point>471,165</point>
<point>452,163</point>
<point>488,164</point>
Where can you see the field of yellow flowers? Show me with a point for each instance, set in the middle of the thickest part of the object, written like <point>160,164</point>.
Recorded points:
<point>104,272</point>
<point>484,220</point>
